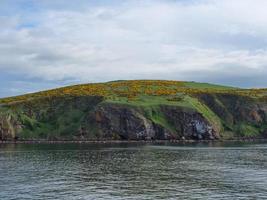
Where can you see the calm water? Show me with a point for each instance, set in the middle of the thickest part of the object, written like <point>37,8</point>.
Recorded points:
<point>132,171</point>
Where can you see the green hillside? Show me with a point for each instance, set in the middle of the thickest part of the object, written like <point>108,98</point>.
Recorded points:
<point>132,90</point>
<point>90,111</point>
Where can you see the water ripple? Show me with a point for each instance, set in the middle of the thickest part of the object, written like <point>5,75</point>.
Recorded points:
<point>132,171</point>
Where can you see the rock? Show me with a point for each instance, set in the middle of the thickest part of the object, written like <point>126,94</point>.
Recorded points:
<point>90,118</point>
<point>126,122</point>
<point>130,123</point>
<point>189,124</point>
<point>9,127</point>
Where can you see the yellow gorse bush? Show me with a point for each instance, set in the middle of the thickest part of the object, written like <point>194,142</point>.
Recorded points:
<point>132,89</point>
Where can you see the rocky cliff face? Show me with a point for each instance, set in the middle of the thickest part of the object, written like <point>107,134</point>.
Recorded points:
<point>124,122</point>
<point>9,127</point>
<point>238,113</point>
<point>234,108</point>
<point>189,124</point>
<point>90,118</point>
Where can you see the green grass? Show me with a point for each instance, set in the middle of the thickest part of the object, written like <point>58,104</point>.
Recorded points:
<point>63,110</point>
<point>208,86</point>
<point>206,112</point>
<point>246,130</point>
<point>121,89</point>
<point>145,101</point>
<point>151,105</point>
<point>154,114</point>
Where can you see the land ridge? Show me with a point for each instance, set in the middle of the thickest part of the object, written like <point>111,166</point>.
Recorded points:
<point>136,110</point>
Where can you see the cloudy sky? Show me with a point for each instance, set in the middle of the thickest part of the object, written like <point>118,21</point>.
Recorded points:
<point>51,43</point>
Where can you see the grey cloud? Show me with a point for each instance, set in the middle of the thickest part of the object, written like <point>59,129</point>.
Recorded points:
<point>240,77</point>
<point>139,39</point>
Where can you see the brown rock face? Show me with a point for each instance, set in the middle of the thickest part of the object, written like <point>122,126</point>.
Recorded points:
<point>131,123</point>
<point>8,127</point>
<point>189,124</point>
<point>90,118</point>
<point>235,109</point>
<point>254,115</point>
<point>124,122</point>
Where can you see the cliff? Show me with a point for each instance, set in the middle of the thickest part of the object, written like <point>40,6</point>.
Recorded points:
<point>136,110</point>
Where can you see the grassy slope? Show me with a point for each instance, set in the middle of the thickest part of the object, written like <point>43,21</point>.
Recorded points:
<point>147,94</point>
<point>119,89</point>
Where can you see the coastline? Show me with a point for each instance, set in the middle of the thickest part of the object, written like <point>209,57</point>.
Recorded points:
<point>128,141</point>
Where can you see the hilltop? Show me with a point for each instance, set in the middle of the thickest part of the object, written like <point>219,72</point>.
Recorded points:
<point>122,90</point>
<point>136,109</point>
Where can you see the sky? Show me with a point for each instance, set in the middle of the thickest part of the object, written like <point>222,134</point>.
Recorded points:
<point>52,43</point>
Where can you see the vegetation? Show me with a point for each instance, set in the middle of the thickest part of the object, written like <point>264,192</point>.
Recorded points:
<point>132,90</point>
<point>60,112</point>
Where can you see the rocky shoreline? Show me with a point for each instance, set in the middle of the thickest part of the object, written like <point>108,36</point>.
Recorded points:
<point>128,141</point>
<point>146,111</point>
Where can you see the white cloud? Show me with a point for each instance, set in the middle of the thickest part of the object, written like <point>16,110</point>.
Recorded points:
<point>140,39</point>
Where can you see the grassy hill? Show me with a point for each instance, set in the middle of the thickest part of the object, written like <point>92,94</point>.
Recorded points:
<point>132,90</point>
<point>73,112</point>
